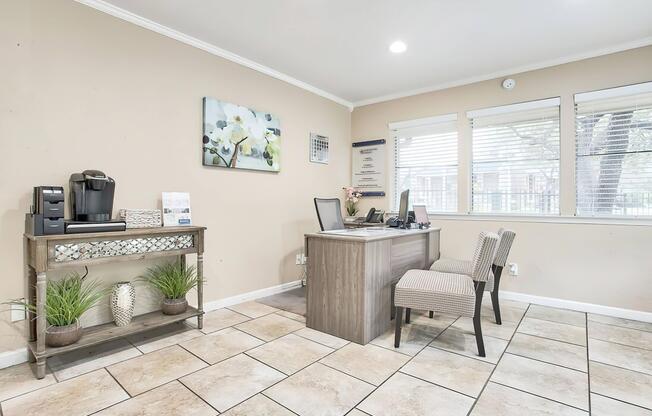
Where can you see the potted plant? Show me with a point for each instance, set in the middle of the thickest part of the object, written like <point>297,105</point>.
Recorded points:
<point>174,281</point>
<point>351,200</point>
<point>66,300</point>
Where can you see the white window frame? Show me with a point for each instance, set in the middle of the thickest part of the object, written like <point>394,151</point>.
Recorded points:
<point>596,96</point>
<point>422,125</point>
<point>547,103</point>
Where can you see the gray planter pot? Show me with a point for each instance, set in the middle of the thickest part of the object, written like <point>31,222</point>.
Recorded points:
<point>60,336</point>
<point>174,306</point>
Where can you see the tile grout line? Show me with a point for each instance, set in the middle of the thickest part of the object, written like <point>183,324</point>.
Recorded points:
<point>548,362</point>
<point>559,322</point>
<point>178,380</point>
<point>406,363</point>
<point>132,397</point>
<point>621,344</point>
<point>421,349</point>
<point>116,380</point>
<point>320,343</point>
<point>622,401</point>
<point>57,382</point>
<point>498,362</point>
<point>539,396</point>
<point>438,385</point>
<point>551,339</point>
<point>621,368</point>
<point>621,326</point>
<point>249,397</point>
<point>129,396</point>
<point>287,377</point>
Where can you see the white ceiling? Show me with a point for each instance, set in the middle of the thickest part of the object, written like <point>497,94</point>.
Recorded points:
<point>339,48</point>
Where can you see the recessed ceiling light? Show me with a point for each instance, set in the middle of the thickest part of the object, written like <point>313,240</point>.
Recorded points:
<point>398,47</point>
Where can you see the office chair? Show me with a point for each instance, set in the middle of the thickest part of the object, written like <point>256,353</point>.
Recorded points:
<point>505,240</point>
<point>450,293</point>
<point>329,214</point>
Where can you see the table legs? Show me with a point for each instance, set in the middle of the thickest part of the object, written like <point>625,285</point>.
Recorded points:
<point>200,290</point>
<point>41,322</point>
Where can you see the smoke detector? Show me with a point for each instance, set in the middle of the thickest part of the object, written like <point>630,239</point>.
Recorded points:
<point>509,84</point>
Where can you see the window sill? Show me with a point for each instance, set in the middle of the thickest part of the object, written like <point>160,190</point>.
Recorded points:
<point>556,219</point>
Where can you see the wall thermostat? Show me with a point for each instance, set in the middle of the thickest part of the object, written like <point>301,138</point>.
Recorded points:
<point>509,84</point>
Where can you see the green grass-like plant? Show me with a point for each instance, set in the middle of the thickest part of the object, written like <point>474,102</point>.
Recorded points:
<point>67,299</point>
<point>173,280</point>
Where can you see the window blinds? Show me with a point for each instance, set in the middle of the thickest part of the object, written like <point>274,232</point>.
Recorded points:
<point>614,151</point>
<point>515,160</point>
<point>425,162</point>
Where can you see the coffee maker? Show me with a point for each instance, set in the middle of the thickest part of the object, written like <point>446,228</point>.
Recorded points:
<point>91,203</point>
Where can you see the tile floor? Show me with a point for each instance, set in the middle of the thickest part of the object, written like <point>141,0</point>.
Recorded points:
<point>255,359</point>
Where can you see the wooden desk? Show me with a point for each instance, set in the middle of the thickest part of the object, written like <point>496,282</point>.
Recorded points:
<point>50,252</point>
<point>350,275</point>
<point>363,224</point>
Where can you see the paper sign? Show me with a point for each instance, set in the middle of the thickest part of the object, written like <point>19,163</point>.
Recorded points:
<point>176,209</point>
<point>368,173</point>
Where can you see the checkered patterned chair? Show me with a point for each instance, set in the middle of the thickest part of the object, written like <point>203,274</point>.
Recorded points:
<point>505,240</point>
<point>450,293</point>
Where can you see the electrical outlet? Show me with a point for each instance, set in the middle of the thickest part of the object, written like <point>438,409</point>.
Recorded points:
<point>513,269</point>
<point>17,312</point>
<point>304,259</point>
<point>298,259</point>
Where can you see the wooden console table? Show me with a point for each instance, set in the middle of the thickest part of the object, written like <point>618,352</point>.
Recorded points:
<point>52,252</point>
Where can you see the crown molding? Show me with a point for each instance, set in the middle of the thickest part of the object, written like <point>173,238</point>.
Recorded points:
<point>507,72</point>
<point>130,17</point>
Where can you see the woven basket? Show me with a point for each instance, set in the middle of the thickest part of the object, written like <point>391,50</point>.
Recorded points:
<point>141,218</point>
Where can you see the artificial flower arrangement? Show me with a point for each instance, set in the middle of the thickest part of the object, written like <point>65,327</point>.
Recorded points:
<point>351,201</point>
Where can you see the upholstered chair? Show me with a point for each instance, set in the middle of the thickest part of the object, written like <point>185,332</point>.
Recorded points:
<point>450,293</point>
<point>505,240</point>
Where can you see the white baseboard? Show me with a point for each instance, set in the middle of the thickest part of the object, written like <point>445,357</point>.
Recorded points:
<point>578,306</point>
<point>9,358</point>
<point>256,294</point>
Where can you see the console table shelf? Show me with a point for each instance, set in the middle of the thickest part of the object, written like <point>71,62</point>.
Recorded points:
<point>101,333</point>
<point>51,252</point>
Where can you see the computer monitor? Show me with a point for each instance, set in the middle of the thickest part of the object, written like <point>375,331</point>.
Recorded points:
<point>403,208</point>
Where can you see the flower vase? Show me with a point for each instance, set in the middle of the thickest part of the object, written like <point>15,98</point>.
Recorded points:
<point>123,299</point>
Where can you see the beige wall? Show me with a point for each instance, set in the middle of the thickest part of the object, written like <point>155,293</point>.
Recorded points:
<point>83,90</point>
<point>601,264</point>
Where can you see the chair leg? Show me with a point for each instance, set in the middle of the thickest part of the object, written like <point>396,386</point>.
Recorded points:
<point>477,327</point>
<point>399,319</point>
<point>494,294</point>
<point>496,305</point>
<point>407,315</point>
<point>478,335</point>
<point>431,314</point>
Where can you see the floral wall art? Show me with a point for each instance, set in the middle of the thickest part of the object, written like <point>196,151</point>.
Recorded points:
<point>239,137</point>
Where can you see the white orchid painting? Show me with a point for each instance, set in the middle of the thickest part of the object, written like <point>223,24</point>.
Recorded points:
<point>239,137</point>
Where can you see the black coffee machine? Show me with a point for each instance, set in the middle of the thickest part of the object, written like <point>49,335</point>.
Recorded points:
<point>91,203</point>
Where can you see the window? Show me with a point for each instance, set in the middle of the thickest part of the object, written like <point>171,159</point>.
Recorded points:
<point>425,162</point>
<point>614,151</point>
<point>515,162</point>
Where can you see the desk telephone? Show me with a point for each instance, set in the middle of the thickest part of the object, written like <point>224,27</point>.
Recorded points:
<point>376,216</point>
